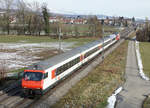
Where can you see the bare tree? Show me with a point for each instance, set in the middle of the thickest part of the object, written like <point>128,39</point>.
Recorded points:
<point>144,33</point>
<point>76,30</point>
<point>95,27</point>
<point>1,23</point>
<point>29,18</point>
<point>21,16</point>
<point>55,29</point>
<point>36,18</point>
<point>7,6</point>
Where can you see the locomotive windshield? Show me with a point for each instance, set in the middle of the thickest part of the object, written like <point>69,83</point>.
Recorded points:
<point>33,76</point>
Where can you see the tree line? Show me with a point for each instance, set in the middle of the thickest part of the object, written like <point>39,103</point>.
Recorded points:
<point>143,34</point>
<point>30,19</point>
<point>33,19</point>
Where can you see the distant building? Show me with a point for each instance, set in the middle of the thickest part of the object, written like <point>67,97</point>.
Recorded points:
<point>68,20</point>
<point>53,19</point>
<point>2,13</point>
<point>79,21</point>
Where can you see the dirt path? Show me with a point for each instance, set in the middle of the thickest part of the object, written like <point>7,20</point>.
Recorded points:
<point>135,88</point>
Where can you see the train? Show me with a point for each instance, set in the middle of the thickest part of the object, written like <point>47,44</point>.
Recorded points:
<point>40,77</point>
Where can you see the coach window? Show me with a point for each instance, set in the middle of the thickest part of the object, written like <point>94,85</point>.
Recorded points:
<point>85,55</point>
<point>68,64</point>
<point>62,68</point>
<point>74,61</point>
<point>57,72</point>
<point>59,69</point>
<point>45,75</point>
<point>88,54</point>
<point>71,63</point>
<point>78,59</point>
<point>65,67</point>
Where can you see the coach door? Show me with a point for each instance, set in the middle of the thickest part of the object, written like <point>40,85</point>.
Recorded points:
<point>82,58</point>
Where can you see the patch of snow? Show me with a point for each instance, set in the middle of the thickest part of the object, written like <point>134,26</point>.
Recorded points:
<point>54,45</point>
<point>5,56</point>
<point>140,65</point>
<point>112,99</point>
<point>24,54</point>
<point>14,60</point>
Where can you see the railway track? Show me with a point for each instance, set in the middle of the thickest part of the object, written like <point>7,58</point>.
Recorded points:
<point>12,96</point>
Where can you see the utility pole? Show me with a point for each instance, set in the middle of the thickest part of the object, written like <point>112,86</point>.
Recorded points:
<point>103,47</point>
<point>59,39</point>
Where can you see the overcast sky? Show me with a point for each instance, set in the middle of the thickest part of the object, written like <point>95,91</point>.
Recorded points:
<point>129,8</point>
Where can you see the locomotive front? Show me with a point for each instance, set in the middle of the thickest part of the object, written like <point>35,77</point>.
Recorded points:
<point>32,82</point>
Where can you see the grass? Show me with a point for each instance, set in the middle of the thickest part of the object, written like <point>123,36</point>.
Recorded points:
<point>132,35</point>
<point>111,29</point>
<point>71,27</point>
<point>80,41</point>
<point>146,103</point>
<point>25,39</point>
<point>108,30</point>
<point>145,54</point>
<point>37,39</point>
<point>93,90</point>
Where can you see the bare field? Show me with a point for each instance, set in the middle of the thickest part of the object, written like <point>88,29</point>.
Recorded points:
<point>93,90</point>
<point>20,55</point>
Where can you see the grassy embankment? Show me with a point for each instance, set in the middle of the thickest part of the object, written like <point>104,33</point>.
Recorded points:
<point>145,54</point>
<point>40,39</point>
<point>93,90</point>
